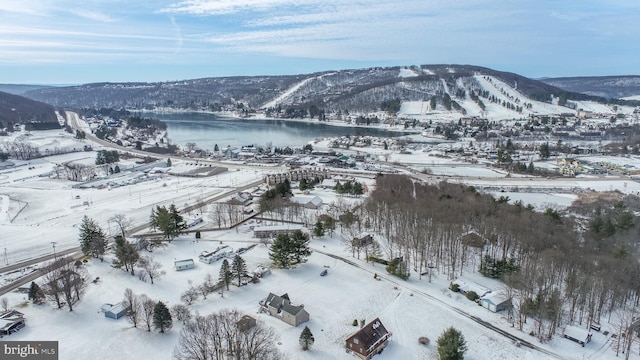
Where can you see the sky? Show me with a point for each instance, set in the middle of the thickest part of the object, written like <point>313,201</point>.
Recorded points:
<point>84,41</point>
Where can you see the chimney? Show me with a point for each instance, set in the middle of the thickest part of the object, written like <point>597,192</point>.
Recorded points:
<point>361,323</point>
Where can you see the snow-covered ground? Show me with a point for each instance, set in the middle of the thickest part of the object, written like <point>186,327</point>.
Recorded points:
<point>37,210</point>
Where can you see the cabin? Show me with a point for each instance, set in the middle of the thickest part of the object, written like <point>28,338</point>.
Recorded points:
<point>184,264</point>
<point>11,321</point>
<point>369,341</point>
<point>115,311</point>
<point>496,302</point>
<point>579,335</point>
<point>280,307</point>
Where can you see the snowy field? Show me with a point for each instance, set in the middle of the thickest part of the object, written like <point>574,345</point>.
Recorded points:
<point>36,210</point>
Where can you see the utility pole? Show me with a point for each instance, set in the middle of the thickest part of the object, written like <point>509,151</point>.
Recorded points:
<point>53,243</point>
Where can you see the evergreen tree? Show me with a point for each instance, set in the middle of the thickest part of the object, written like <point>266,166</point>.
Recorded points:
<point>451,345</point>
<point>225,273</point>
<point>168,221</point>
<point>126,254</point>
<point>162,320</point>
<point>306,339</point>
<point>318,229</point>
<point>239,268</point>
<point>290,250</point>
<point>93,240</point>
<point>168,162</point>
<point>36,295</point>
<point>216,148</point>
<point>357,189</point>
<point>545,153</point>
<point>279,253</point>
<point>303,185</point>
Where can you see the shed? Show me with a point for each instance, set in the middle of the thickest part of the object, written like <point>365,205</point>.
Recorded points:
<point>115,311</point>
<point>579,335</point>
<point>246,322</point>
<point>184,264</point>
<point>496,302</point>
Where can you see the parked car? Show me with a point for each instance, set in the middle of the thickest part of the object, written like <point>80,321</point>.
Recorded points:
<point>324,272</point>
<point>241,251</point>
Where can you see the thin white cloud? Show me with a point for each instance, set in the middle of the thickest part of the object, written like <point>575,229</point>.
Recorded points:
<point>179,37</point>
<point>218,7</point>
<point>93,15</point>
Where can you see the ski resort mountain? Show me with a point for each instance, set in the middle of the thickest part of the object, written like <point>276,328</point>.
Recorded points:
<point>452,90</point>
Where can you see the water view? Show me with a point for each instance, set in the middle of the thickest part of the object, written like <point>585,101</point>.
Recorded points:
<point>207,130</point>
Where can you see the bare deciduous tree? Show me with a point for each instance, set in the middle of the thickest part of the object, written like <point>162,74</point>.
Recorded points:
<point>132,301</point>
<point>151,267</point>
<point>124,223</point>
<point>218,336</point>
<point>146,310</point>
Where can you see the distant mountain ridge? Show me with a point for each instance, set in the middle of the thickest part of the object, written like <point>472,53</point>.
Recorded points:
<point>360,90</point>
<point>19,89</point>
<point>21,110</point>
<point>603,86</point>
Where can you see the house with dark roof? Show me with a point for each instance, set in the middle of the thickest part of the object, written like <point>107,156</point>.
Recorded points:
<point>280,307</point>
<point>246,322</point>
<point>11,321</point>
<point>370,340</point>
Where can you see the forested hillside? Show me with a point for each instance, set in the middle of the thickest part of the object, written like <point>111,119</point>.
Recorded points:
<point>15,109</point>
<point>560,268</point>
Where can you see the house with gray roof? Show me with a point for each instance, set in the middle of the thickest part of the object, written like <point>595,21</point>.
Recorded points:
<point>281,307</point>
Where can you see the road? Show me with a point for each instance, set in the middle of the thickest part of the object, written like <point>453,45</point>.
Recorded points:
<point>413,289</point>
<point>20,265</point>
<point>32,276</point>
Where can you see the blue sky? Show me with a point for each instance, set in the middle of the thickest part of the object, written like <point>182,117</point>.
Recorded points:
<point>71,42</point>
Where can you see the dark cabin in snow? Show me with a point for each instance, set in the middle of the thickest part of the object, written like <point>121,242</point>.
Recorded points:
<point>370,340</point>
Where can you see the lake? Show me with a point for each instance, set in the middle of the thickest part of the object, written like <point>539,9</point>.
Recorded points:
<point>207,130</point>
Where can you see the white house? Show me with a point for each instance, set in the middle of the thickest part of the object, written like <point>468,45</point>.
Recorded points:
<point>184,264</point>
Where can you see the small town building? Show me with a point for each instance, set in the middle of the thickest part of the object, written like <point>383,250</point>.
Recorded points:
<point>115,311</point>
<point>496,302</point>
<point>184,264</point>
<point>579,335</point>
<point>262,232</point>
<point>369,341</point>
<point>245,323</point>
<point>241,198</point>
<point>280,307</point>
<point>11,321</point>
<point>465,287</point>
<point>314,203</point>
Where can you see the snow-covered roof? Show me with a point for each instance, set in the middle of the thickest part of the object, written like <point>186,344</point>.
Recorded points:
<point>496,298</point>
<point>576,332</point>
